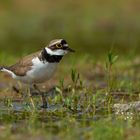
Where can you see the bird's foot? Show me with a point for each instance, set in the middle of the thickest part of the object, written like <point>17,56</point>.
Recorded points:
<point>44,106</point>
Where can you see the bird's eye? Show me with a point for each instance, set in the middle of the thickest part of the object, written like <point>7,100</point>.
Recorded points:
<point>59,46</point>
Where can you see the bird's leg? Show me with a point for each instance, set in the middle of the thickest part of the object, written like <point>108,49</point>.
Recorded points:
<point>30,96</point>
<point>18,89</point>
<point>45,104</point>
<point>44,101</point>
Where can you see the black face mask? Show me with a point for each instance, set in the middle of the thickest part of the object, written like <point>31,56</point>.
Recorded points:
<point>50,58</point>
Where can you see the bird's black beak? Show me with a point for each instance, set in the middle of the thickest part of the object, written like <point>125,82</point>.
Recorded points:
<point>70,50</point>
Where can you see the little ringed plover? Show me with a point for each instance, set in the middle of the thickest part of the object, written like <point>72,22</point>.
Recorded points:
<point>40,66</point>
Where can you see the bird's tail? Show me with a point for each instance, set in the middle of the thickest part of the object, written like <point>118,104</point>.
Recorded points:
<point>2,68</point>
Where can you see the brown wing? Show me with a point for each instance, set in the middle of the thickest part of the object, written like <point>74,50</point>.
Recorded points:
<point>21,67</point>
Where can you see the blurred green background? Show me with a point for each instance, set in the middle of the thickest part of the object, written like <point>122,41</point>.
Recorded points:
<point>91,26</point>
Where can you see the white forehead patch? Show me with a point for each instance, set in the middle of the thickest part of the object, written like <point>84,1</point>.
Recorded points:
<point>56,42</point>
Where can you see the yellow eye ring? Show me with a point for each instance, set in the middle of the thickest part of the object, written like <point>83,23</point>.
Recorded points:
<point>59,46</point>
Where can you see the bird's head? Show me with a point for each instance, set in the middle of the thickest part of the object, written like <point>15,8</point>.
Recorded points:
<point>58,47</point>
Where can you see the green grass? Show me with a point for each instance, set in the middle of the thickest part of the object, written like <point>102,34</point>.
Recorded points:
<point>80,106</point>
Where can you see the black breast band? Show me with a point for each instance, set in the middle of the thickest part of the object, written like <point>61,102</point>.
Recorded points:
<point>50,58</point>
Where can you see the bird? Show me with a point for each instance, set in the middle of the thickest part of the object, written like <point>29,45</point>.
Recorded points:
<point>40,66</point>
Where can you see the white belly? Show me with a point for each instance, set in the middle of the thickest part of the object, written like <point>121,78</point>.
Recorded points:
<point>39,73</point>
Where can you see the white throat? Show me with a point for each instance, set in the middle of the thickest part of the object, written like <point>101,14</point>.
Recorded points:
<point>56,52</point>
